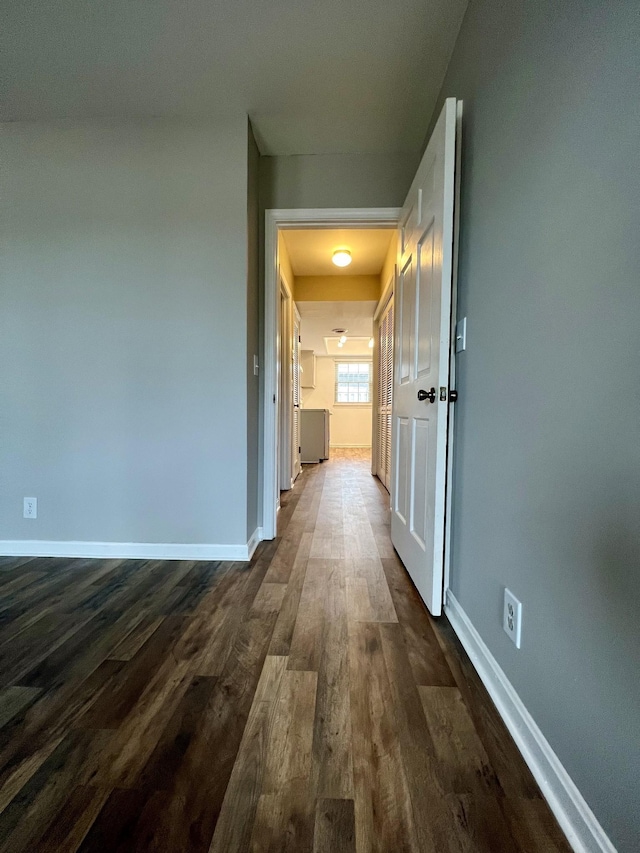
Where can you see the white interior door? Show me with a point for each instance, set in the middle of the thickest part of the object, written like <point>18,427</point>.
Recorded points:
<point>422,354</point>
<point>295,378</point>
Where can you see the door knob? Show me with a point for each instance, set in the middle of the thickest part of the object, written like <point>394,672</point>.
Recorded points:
<point>427,395</point>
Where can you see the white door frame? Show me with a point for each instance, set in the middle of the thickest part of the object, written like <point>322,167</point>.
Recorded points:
<point>284,417</point>
<point>388,292</point>
<point>275,221</point>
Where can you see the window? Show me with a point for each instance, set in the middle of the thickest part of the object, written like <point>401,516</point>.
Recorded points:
<point>353,382</point>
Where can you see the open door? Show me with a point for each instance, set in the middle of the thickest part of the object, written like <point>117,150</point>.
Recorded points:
<point>421,395</point>
<point>384,396</point>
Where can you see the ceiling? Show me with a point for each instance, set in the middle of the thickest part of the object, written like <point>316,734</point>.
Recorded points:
<point>310,251</point>
<point>318,319</point>
<point>340,76</point>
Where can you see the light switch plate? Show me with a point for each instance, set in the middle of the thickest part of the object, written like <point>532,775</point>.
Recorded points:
<point>461,335</point>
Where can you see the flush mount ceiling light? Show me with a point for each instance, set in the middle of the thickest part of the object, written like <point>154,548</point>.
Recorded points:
<point>341,257</point>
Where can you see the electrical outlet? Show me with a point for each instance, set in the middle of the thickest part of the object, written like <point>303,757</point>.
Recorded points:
<point>30,508</point>
<point>512,617</point>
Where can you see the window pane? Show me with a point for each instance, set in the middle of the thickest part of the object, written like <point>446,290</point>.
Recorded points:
<point>353,382</point>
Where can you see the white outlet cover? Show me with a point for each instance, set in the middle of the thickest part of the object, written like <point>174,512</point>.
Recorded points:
<point>512,617</point>
<point>30,508</point>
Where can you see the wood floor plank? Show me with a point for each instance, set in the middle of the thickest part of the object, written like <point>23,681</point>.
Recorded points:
<point>285,811</point>
<point>14,699</point>
<point>270,597</point>
<point>358,601</point>
<point>533,826</point>
<point>306,642</point>
<point>30,739</point>
<point>383,813</point>
<point>332,752</point>
<point>115,824</point>
<point>464,767</point>
<point>334,830</point>
<point>30,812</point>
<point>285,624</point>
<point>427,659</point>
<point>67,831</point>
<point>514,775</point>
<point>235,824</point>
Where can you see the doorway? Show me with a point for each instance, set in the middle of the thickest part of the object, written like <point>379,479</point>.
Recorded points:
<point>279,343</point>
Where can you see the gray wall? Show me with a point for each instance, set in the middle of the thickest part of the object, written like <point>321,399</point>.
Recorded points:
<point>123,332</point>
<point>547,477</point>
<point>336,180</point>
<point>254,477</point>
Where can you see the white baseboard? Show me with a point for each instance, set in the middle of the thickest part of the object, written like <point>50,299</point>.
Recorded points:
<point>578,822</point>
<point>353,446</point>
<point>130,550</point>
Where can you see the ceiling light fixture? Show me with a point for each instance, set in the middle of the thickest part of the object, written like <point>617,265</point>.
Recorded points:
<point>343,340</point>
<point>341,257</point>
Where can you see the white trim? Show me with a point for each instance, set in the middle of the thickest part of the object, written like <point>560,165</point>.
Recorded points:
<point>129,550</point>
<point>363,446</point>
<point>578,822</point>
<point>276,220</point>
<point>387,293</point>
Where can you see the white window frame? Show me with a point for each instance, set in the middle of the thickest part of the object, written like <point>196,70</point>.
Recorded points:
<point>352,360</point>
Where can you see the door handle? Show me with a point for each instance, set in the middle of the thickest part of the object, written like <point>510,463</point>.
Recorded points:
<point>427,395</point>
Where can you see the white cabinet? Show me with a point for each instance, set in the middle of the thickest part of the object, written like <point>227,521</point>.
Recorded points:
<point>308,366</point>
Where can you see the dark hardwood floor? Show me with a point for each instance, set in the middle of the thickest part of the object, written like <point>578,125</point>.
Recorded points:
<point>303,702</point>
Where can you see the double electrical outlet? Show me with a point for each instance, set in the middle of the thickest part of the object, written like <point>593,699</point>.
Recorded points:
<point>512,617</point>
<point>30,508</point>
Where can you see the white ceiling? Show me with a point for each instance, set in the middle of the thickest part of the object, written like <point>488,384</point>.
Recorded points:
<point>318,319</point>
<point>337,76</point>
<point>310,250</point>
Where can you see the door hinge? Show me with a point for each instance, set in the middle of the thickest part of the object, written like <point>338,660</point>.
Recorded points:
<point>274,398</point>
<point>453,396</point>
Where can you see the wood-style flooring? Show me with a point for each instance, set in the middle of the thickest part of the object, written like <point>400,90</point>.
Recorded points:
<point>302,702</point>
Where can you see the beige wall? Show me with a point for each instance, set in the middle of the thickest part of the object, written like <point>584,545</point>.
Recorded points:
<point>337,288</point>
<point>350,425</point>
<point>285,264</point>
<point>389,263</point>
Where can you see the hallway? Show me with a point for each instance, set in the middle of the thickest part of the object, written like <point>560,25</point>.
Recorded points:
<point>305,701</point>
